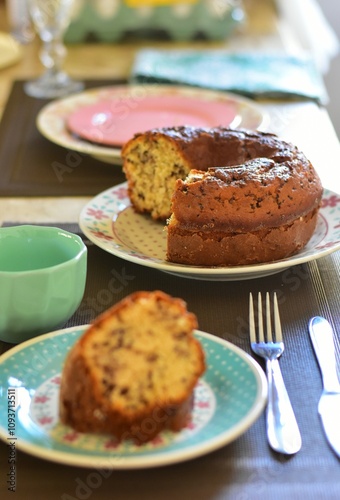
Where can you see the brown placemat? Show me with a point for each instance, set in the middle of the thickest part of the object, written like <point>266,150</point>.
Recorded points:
<point>246,468</point>
<point>26,157</point>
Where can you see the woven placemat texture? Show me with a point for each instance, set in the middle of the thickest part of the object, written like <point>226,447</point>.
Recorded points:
<point>246,468</point>
<point>27,158</point>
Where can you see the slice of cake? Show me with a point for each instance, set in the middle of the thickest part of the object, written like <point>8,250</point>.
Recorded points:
<point>133,372</point>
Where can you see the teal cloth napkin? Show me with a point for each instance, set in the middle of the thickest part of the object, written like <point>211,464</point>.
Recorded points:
<point>266,75</point>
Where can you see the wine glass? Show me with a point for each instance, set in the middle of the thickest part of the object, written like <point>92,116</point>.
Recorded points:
<point>51,19</point>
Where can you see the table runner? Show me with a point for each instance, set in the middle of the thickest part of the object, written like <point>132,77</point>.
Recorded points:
<point>26,156</point>
<point>246,468</point>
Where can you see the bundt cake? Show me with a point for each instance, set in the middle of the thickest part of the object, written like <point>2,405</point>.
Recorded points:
<point>154,160</point>
<point>133,371</point>
<point>261,211</point>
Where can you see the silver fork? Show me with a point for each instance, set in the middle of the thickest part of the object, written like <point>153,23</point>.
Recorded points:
<point>282,429</point>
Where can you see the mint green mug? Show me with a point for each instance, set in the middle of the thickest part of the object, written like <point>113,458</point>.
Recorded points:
<point>42,280</point>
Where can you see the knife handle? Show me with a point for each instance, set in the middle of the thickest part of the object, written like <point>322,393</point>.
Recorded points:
<point>282,429</point>
<point>321,334</point>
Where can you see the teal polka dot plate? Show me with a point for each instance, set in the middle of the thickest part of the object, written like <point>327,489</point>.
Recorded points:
<point>228,400</point>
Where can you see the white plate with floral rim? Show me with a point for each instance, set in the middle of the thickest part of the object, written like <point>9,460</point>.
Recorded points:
<point>111,223</point>
<point>132,105</point>
<point>228,399</point>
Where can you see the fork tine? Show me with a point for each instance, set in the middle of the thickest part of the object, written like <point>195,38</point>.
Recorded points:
<point>282,430</point>
<point>252,332</point>
<point>268,319</point>
<point>260,318</point>
<point>277,322</point>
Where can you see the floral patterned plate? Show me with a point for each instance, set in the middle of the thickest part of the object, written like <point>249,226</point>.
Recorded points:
<point>131,108</point>
<point>228,400</point>
<point>110,222</point>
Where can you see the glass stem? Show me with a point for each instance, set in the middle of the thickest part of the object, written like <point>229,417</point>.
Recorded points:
<point>52,55</point>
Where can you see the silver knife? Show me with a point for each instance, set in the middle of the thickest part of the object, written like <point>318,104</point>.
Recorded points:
<point>321,334</point>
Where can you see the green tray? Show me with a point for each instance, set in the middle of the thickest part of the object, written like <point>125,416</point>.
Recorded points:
<point>177,21</point>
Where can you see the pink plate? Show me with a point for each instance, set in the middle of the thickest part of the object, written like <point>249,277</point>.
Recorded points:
<point>113,122</point>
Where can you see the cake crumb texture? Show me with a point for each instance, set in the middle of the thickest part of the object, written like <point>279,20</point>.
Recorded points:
<point>134,370</point>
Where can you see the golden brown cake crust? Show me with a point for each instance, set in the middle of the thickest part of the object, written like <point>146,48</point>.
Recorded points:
<point>86,403</point>
<point>257,195</point>
<point>217,248</point>
<point>261,210</point>
<point>154,160</point>
<point>203,148</point>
